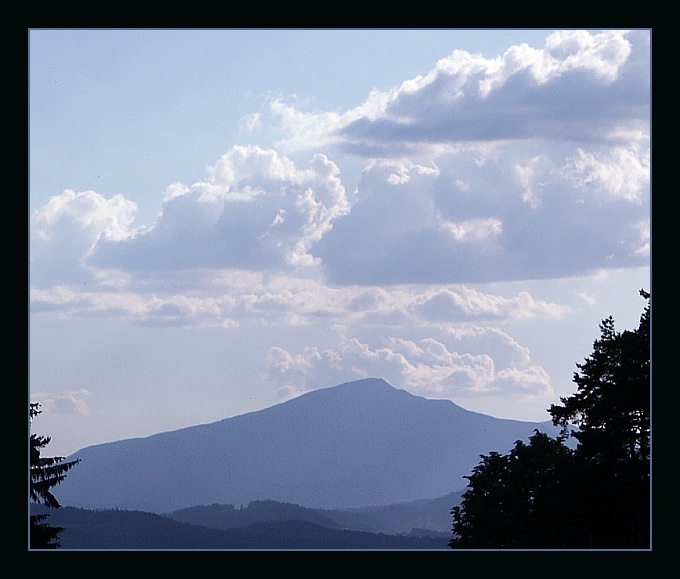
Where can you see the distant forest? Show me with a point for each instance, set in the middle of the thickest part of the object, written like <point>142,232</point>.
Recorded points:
<point>120,529</point>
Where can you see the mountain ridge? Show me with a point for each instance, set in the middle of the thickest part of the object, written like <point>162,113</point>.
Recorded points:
<point>113,529</point>
<point>428,516</point>
<point>357,444</point>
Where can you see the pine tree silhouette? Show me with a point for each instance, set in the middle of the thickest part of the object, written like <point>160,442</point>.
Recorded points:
<point>46,472</point>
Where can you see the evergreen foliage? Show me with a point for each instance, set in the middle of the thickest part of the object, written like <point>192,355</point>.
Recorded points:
<point>597,495</point>
<point>45,473</point>
<point>513,500</point>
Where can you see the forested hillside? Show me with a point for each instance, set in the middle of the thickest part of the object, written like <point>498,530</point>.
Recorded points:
<point>428,516</point>
<point>118,529</point>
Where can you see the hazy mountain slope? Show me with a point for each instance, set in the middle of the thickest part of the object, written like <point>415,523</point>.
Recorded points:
<point>359,444</point>
<point>425,514</point>
<point>119,529</point>
<point>229,517</point>
<point>138,530</point>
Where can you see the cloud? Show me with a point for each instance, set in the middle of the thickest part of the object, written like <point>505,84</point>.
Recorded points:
<point>250,123</point>
<point>63,402</point>
<point>580,86</point>
<point>146,309</point>
<point>464,304</point>
<point>469,219</point>
<point>66,230</point>
<point>509,214</point>
<point>227,297</point>
<point>256,210</point>
<point>440,368</point>
<point>531,165</point>
<point>619,174</point>
<point>588,297</point>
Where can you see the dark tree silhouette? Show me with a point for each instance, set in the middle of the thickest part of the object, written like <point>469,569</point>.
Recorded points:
<point>45,473</point>
<point>611,415</point>
<point>513,500</point>
<point>546,495</point>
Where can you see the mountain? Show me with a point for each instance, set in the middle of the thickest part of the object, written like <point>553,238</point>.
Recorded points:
<point>228,517</point>
<point>430,516</point>
<point>137,530</point>
<point>426,516</point>
<point>359,444</point>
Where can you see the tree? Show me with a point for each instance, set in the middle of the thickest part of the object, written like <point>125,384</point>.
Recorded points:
<point>610,419</point>
<point>546,495</point>
<point>513,500</point>
<point>45,473</point>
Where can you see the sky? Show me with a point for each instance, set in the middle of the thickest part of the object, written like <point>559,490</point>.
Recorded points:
<point>224,219</point>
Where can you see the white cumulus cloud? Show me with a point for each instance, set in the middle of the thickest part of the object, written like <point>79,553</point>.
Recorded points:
<point>66,230</point>
<point>580,85</point>
<point>524,212</point>
<point>256,210</point>
<point>440,368</point>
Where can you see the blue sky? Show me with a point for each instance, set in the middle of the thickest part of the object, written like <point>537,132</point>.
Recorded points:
<point>223,219</point>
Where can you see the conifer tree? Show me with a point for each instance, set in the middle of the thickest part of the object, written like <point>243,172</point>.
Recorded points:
<point>609,415</point>
<point>45,473</point>
<point>545,495</point>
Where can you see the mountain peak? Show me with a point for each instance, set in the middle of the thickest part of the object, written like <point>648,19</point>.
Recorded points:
<point>364,383</point>
<point>361,443</point>
<point>356,393</point>
<point>370,381</point>
<point>377,385</point>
